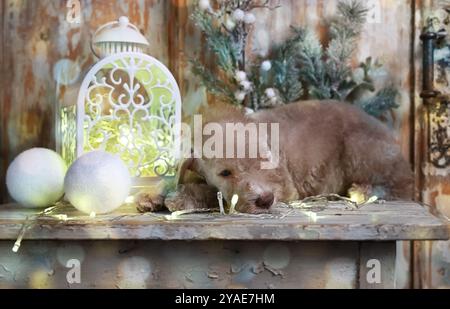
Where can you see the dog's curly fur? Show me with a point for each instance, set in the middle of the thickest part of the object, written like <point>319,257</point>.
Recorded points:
<point>326,147</point>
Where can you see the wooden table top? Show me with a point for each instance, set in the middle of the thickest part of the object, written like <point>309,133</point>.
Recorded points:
<point>334,222</point>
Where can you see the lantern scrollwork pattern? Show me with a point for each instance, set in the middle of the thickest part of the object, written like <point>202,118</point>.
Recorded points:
<point>129,105</point>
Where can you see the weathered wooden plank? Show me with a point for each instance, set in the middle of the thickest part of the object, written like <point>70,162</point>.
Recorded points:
<point>390,221</point>
<point>161,264</point>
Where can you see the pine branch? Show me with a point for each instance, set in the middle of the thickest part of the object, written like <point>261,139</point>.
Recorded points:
<point>217,41</point>
<point>285,67</point>
<point>212,83</point>
<point>299,67</point>
<point>286,79</point>
<point>382,102</point>
<point>282,77</point>
<point>312,68</point>
<point>326,73</point>
<point>345,29</point>
<point>354,12</point>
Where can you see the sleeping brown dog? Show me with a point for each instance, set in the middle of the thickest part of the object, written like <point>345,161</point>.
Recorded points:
<point>324,148</point>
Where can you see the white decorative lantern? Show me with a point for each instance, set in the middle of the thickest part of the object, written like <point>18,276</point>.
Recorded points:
<point>129,104</point>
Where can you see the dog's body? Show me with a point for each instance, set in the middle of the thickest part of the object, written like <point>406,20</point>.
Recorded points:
<point>325,147</point>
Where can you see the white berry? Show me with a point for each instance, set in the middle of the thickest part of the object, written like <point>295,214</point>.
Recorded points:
<point>266,66</point>
<point>238,15</point>
<point>240,96</point>
<point>230,24</point>
<point>246,85</point>
<point>204,5</point>
<point>241,76</point>
<point>270,93</point>
<point>249,19</point>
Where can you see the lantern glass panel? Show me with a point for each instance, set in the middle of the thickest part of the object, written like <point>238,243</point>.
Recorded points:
<point>67,133</point>
<point>129,104</point>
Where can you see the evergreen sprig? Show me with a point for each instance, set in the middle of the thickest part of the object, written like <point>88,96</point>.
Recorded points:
<point>217,41</point>
<point>301,67</point>
<point>211,82</point>
<point>285,69</point>
<point>328,73</point>
<point>384,100</point>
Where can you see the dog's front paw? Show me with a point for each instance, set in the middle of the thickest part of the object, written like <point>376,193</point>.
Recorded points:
<point>360,193</point>
<point>176,202</point>
<point>191,197</point>
<point>147,203</point>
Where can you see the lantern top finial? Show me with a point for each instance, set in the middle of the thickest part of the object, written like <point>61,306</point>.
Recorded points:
<point>118,36</point>
<point>123,21</point>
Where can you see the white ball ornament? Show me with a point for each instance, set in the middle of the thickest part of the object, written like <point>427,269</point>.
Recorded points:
<point>230,24</point>
<point>97,183</point>
<point>204,5</point>
<point>238,15</point>
<point>249,18</point>
<point>270,93</point>
<point>240,96</point>
<point>266,66</point>
<point>246,85</point>
<point>35,178</point>
<point>241,76</point>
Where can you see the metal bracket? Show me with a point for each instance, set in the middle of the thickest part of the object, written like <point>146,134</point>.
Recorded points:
<point>437,104</point>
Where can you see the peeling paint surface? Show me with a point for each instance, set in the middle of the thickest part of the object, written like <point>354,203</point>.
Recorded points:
<point>431,267</point>
<point>160,265</point>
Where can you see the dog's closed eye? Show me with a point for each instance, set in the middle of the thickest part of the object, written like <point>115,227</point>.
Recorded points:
<point>225,173</point>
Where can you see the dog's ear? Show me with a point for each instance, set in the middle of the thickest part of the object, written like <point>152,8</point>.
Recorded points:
<point>189,172</point>
<point>185,166</point>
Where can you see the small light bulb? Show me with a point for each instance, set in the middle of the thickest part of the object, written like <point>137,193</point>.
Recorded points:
<point>234,201</point>
<point>312,216</point>
<point>220,199</point>
<point>129,200</point>
<point>16,247</point>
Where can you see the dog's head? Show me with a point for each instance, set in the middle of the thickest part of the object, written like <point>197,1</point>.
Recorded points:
<point>246,175</point>
<point>258,190</point>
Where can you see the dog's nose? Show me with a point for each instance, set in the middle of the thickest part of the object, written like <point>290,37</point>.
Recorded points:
<point>265,200</point>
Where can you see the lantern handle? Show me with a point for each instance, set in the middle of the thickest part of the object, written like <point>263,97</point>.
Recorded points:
<point>123,21</point>
<point>95,34</point>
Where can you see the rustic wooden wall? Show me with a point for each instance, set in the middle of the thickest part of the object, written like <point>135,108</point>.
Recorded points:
<point>431,259</point>
<point>37,41</point>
